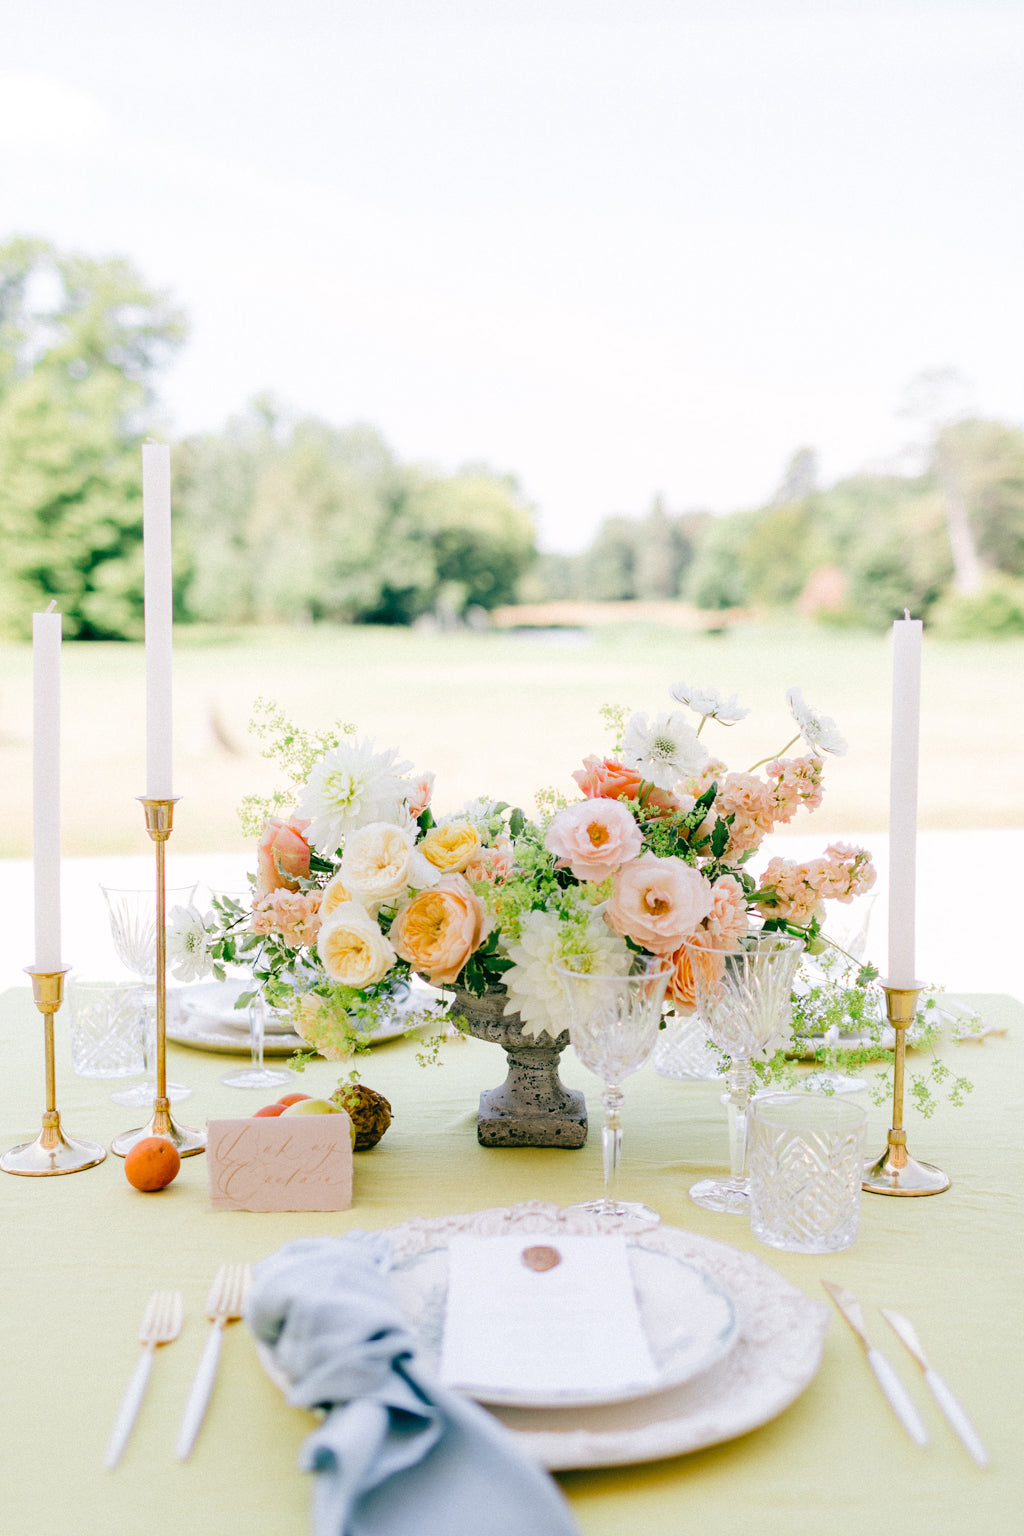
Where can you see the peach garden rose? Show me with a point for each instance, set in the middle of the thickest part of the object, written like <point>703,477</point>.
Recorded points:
<point>282,857</point>
<point>438,930</point>
<point>593,837</point>
<point>657,902</point>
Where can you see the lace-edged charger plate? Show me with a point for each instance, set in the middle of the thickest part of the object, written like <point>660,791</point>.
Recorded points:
<point>772,1355</point>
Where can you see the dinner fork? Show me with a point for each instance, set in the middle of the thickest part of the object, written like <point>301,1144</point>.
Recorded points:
<point>161,1324</point>
<point>223,1305</point>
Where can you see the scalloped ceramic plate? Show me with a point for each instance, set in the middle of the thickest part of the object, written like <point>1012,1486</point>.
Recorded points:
<point>774,1356</point>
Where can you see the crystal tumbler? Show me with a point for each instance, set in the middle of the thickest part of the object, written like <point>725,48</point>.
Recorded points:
<point>806,1162</point>
<point>107,1027</point>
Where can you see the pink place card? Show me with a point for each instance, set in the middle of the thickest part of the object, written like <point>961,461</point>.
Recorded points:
<point>290,1163</point>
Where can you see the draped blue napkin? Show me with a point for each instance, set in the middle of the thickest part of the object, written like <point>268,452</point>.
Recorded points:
<point>397,1454</point>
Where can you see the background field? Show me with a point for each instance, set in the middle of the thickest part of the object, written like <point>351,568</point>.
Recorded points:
<point>504,713</point>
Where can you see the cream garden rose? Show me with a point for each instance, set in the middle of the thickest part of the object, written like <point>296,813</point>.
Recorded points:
<point>376,861</point>
<point>352,948</point>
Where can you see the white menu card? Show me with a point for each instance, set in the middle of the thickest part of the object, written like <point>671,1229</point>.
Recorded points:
<point>514,1326</point>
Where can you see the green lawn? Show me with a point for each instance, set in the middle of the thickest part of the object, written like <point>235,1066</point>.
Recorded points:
<point>504,714</point>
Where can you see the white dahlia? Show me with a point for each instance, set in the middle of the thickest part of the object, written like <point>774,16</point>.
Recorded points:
<point>534,989</point>
<point>349,787</point>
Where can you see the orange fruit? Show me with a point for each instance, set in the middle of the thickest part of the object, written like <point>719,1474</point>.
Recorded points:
<point>291,1098</point>
<point>268,1109</point>
<point>152,1163</point>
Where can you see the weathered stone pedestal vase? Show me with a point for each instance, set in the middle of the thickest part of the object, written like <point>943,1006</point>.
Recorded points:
<point>532,1107</point>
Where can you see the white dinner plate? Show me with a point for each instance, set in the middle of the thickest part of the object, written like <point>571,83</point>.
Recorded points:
<point>205,1018</point>
<point>774,1356</point>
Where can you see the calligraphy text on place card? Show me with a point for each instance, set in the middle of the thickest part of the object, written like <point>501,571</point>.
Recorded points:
<point>301,1163</point>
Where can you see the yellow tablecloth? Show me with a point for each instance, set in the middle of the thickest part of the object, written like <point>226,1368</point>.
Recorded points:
<point>81,1253</point>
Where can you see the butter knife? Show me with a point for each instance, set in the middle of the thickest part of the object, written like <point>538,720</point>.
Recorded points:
<point>896,1394</point>
<point>943,1395</point>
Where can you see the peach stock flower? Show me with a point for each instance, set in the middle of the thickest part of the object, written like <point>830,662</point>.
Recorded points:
<point>658,902</point>
<point>493,864</point>
<point>727,920</point>
<point>438,930</point>
<point>282,857</point>
<point>292,914</point>
<point>352,949</point>
<point>594,837</point>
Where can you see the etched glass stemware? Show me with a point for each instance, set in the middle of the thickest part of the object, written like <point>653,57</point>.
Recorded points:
<point>237,904</point>
<point>133,929</point>
<point>613,1027</point>
<point>743,995</point>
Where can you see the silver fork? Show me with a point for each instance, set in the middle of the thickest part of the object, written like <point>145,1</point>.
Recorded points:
<point>161,1324</point>
<point>223,1305</point>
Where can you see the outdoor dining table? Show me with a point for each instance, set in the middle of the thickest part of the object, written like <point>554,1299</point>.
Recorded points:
<point>82,1253</point>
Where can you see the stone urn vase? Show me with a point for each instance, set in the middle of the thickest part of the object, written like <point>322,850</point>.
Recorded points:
<point>532,1107</point>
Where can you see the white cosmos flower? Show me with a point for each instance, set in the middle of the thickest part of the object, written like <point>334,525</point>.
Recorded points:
<point>819,731</point>
<point>664,750</point>
<point>188,945</point>
<point>534,989</point>
<point>349,787</point>
<point>709,704</point>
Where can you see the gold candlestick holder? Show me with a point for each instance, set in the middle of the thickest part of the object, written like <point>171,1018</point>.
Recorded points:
<point>896,1172</point>
<point>52,1151</point>
<point>159,825</point>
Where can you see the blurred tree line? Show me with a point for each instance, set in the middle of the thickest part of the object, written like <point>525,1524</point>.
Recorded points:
<point>282,519</point>
<point>276,519</point>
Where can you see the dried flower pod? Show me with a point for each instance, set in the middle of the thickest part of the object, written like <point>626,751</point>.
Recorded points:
<point>368,1110</point>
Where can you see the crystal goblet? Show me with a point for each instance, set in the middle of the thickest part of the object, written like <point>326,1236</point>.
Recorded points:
<point>133,929</point>
<point>235,908</point>
<point>743,995</point>
<point>613,1028</point>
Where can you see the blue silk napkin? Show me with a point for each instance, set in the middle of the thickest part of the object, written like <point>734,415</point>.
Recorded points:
<point>397,1454</point>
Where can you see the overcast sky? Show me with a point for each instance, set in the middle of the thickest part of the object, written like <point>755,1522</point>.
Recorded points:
<point>616,247</point>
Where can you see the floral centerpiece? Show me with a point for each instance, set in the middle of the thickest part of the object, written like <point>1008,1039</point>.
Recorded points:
<point>362,883</point>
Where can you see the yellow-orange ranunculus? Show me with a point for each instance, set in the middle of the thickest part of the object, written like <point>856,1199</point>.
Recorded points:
<point>450,848</point>
<point>437,930</point>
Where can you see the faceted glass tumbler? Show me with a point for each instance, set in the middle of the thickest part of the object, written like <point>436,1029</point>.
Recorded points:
<point>107,1027</point>
<point>806,1163</point>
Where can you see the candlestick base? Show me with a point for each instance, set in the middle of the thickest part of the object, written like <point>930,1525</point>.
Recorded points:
<point>896,1172</point>
<point>187,1140</point>
<point>52,1152</point>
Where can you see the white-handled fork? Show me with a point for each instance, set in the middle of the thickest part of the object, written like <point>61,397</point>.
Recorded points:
<point>161,1324</point>
<point>223,1305</point>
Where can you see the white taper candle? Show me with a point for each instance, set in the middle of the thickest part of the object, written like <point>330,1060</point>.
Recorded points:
<point>906,719</point>
<point>156,527</point>
<point>46,642</point>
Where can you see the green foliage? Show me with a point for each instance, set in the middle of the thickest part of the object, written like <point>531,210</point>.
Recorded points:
<point>996,612</point>
<point>80,343</point>
<point>300,521</point>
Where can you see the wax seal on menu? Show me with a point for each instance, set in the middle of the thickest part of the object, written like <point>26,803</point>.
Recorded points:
<point>541,1257</point>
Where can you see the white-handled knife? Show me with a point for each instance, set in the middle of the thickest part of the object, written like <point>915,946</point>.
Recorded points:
<point>896,1394</point>
<point>942,1393</point>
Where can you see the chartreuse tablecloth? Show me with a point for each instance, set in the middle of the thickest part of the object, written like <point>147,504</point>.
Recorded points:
<point>81,1253</point>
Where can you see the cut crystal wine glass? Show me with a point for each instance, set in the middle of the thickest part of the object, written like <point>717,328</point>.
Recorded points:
<point>133,929</point>
<point>743,995</point>
<point>613,1027</point>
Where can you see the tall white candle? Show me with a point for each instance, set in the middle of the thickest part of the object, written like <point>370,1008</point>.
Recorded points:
<point>906,719</point>
<point>46,638</point>
<point>156,527</point>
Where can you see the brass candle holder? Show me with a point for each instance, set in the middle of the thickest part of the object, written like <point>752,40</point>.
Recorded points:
<point>896,1172</point>
<point>159,825</point>
<point>52,1151</point>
